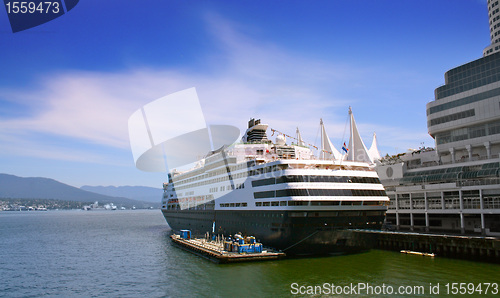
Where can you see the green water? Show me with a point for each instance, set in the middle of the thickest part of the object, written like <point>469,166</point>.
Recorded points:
<point>130,254</point>
<point>377,271</point>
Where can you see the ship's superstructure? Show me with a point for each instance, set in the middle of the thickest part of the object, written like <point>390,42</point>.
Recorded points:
<point>281,193</point>
<point>454,187</point>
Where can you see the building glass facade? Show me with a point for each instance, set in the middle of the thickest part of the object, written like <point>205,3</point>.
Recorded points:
<point>454,187</point>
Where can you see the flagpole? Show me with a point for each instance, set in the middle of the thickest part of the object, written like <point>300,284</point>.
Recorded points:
<point>346,150</point>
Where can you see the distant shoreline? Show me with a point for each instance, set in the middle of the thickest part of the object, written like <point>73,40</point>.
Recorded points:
<point>15,204</point>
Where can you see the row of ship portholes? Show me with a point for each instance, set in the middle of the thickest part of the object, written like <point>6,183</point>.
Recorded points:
<point>306,203</point>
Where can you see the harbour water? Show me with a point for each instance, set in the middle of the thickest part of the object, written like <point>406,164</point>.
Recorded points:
<point>129,254</point>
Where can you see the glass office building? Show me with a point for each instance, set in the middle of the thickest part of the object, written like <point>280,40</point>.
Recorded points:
<point>454,187</point>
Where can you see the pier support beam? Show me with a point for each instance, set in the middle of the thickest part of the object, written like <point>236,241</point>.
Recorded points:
<point>462,223</point>
<point>426,221</point>
<point>488,150</point>
<point>411,221</point>
<point>481,204</point>
<point>411,213</point>
<point>426,202</point>
<point>442,201</point>
<point>483,228</point>
<point>469,151</point>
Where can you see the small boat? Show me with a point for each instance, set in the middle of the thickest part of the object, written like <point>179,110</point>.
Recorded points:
<point>425,254</point>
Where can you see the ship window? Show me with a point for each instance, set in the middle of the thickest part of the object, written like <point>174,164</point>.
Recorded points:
<point>281,193</point>
<point>284,193</point>
<point>298,203</point>
<point>332,179</point>
<point>318,192</point>
<point>274,203</point>
<point>346,192</point>
<point>263,194</point>
<point>283,203</point>
<point>258,204</point>
<point>326,179</point>
<point>263,182</point>
<point>265,203</point>
<point>324,203</point>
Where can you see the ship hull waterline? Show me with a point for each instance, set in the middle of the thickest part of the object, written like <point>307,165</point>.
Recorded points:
<point>297,233</point>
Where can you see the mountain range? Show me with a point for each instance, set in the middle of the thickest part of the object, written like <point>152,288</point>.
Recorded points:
<point>140,193</point>
<point>15,187</point>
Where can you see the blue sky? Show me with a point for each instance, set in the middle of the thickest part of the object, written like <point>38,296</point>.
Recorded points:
<point>67,87</point>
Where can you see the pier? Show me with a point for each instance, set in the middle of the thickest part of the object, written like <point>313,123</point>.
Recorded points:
<point>214,251</point>
<point>475,248</point>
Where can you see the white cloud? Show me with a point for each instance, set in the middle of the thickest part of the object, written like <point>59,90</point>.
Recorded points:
<point>247,79</point>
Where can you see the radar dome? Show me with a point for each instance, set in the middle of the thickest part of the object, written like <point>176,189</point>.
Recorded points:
<point>280,140</point>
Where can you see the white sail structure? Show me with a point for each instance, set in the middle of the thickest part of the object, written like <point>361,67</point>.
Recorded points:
<point>328,151</point>
<point>373,151</point>
<point>300,142</point>
<point>357,150</point>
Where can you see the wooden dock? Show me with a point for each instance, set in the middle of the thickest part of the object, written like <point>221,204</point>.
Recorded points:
<point>214,251</point>
<point>477,248</point>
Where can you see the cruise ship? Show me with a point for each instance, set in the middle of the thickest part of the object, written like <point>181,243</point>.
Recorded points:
<point>281,193</point>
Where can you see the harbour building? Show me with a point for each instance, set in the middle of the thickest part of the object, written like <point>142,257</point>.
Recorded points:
<point>494,18</point>
<point>454,187</point>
